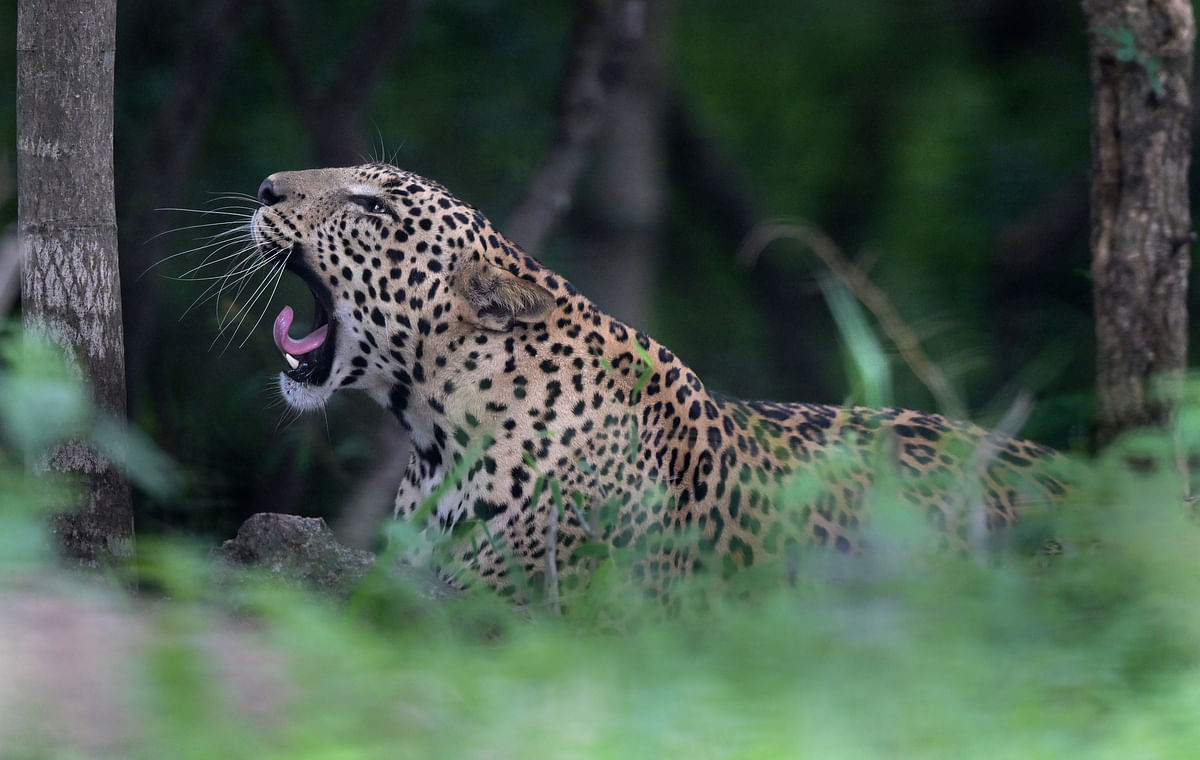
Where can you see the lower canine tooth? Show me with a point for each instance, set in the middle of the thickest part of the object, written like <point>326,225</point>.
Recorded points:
<point>292,361</point>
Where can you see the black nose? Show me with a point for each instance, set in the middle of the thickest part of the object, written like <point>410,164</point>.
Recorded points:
<point>266,193</point>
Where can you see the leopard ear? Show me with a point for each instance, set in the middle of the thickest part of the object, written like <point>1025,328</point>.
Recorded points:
<point>500,299</point>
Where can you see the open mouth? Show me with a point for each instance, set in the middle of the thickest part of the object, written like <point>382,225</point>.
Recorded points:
<point>309,358</point>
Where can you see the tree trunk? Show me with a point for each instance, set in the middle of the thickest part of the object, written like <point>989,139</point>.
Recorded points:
<point>70,286</point>
<point>335,113</point>
<point>1141,67</point>
<point>621,214</point>
<point>604,38</point>
<point>214,30</point>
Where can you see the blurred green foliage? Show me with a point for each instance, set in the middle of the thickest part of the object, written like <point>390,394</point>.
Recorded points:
<point>907,651</point>
<point>44,402</point>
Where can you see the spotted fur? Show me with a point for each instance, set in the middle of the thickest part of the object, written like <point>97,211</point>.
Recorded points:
<point>540,403</point>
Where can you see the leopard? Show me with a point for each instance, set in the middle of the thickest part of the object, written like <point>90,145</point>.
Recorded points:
<point>556,429</point>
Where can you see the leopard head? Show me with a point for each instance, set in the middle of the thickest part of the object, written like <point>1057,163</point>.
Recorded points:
<point>402,274</point>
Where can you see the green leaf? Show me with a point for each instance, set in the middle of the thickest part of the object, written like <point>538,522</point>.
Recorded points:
<point>868,368</point>
<point>137,456</point>
<point>592,549</point>
<point>472,455</point>
<point>538,486</point>
<point>1122,35</point>
<point>647,369</point>
<point>42,400</point>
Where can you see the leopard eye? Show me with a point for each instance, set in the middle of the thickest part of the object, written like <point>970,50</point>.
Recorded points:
<point>370,204</point>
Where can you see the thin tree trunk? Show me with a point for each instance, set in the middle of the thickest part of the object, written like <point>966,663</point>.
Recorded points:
<point>605,35</point>
<point>621,213</point>
<point>70,286</point>
<point>160,179</point>
<point>1141,67</point>
<point>335,113</point>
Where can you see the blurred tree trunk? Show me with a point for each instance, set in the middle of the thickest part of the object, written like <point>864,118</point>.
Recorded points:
<point>214,30</point>
<point>70,287</point>
<point>371,501</point>
<point>605,36</point>
<point>1141,68</point>
<point>334,114</point>
<point>619,220</point>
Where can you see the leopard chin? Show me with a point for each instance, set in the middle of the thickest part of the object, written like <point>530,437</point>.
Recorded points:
<point>303,396</point>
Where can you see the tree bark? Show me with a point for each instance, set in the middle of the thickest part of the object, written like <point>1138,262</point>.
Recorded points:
<point>1141,68</point>
<point>67,217</point>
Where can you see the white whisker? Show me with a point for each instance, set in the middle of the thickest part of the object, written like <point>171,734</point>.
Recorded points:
<point>234,196</point>
<point>219,283</point>
<point>238,273</point>
<point>208,261</point>
<point>278,277</point>
<point>216,245</point>
<point>219,212</point>
<point>232,225</point>
<point>247,306</point>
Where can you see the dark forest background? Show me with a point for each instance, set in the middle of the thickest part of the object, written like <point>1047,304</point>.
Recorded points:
<point>943,144</point>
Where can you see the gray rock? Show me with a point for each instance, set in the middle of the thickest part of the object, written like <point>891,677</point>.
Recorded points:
<point>299,549</point>
<point>303,550</point>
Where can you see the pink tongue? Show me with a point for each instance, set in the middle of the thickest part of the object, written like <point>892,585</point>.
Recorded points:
<point>312,341</point>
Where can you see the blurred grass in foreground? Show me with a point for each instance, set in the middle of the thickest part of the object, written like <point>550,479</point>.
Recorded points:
<point>905,652</point>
